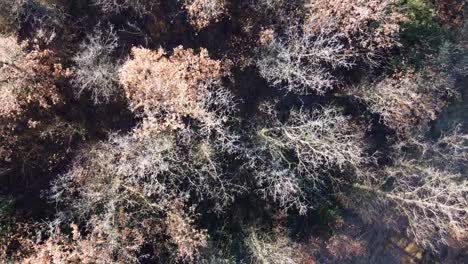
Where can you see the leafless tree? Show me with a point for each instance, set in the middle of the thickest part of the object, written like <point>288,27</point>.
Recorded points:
<point>135,184</point>
<point>10,12</point>
<point>408,101</point>
<point>273,248</point>
<point>302,148</point>
<point>147,174</point>
<point>319,138</point>
<point>117,6</point>
<point>285,12</point>
<point>183,93</point>
<point>424,187</point>
<point>433,202</point>
<point>302,60</point>
<point>44,20</point>
<point>452,147</point>
<point>96,71</point>
<point>448,152</point>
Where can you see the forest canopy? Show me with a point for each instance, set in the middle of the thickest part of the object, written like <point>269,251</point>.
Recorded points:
<point>233,131</point>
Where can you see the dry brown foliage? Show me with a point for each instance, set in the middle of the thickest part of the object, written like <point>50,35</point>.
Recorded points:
<point>451,12</point>
<point>77,248</point>
<point>341,247</point>
<point>406,101</point>
<point>185,235</point>
<point>168,88</point>
<point>18,244</point>
<point>204,12</point>
<point>353,17</point>
<point>27,78</point>
<point>95,246</point>
<point>28,89</point>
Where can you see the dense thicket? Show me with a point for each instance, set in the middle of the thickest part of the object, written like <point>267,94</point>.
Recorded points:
<point>223,131</point>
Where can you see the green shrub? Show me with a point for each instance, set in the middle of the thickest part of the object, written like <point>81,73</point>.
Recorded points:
<point>421,33</point>
<point>6,210</point>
